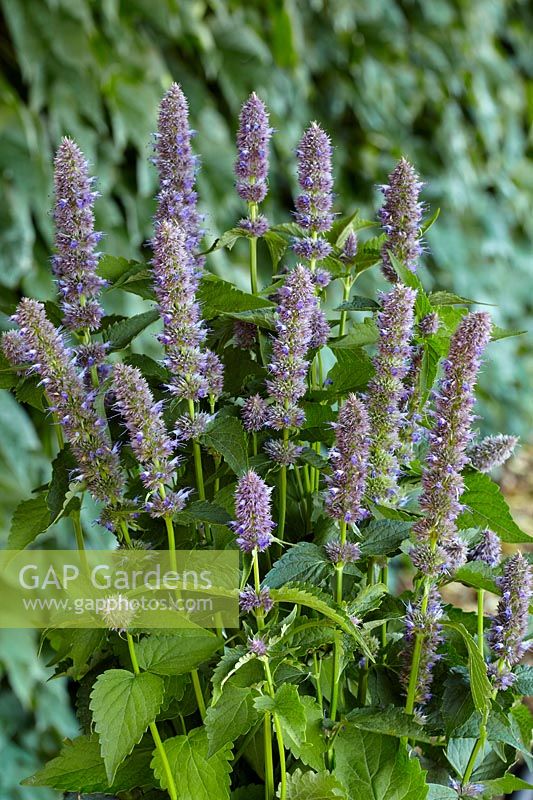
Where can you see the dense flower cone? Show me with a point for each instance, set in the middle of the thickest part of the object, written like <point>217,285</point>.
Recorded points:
<point>314,203</point>
<point>442,481</point>
<point>427,624</point>
<point>349,459</point>
<point>253,136</point>
<point>488,549</point>
<point>400,217</point>
<point>386,390</point>
<point>253,524</point>
<point>44,348</point>
<point>492,451</point>
<point>76,258</point>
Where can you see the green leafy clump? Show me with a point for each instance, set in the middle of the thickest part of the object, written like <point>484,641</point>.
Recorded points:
<point>283,419</point>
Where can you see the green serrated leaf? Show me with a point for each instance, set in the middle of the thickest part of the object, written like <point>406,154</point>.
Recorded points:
<point>226,436</point>
<point>227,239</point>
<point>120,334</point>
<point>504,786</point>
<point>80,768</point>
<point>311,597</point>
<point>437,792</point>
<point>202,511</point>
<point>288,706</point>
<point>457,704</point>
<point>181,651</point>
<point>221,297</point>
<point>123,705</point>
<point>232,716</point>
<point>358,303</point>
<point>313,786</point>
<point>277,245</point>
<point>486,507</point>
<point>304,562</point>
<point>352,371</point>
<point>477,574</point>
<point>31,518</point>
<point>382,537</point>
<point>196,775</point>
<point>450,299</point>
<point>311,748</point>
<point>502,333</point>
<point>62,466</point>
<point>377,767</point>
<point>428,223</point>
<point>368,598</point>
<point>387,721</point>
<point>480,686</point>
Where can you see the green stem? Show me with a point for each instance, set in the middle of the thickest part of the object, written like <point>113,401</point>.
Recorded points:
<point>478,747</point>
<point>153,728</point>
<point>269,761</point>
<point>125,533</point>
<point>253,251</point>
<point>198,693</point>
<point>385,580</point>
<point>480,621</point>
<point>316,675</point>
<point>417,652</point>
<point>254,444</point>
<point>337,650</point>
<point>347,285</point>
<point>283,492</point>
<point>279,734</point>
<point>78,530</point>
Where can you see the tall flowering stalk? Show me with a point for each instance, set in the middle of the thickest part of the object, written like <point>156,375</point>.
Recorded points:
<point>438,548</point>
<point>489,551</point>
<point>492,451</point>
<point>251,171</point>
<point>423,621</point>
<point>346,486</point>
<point>386,391</point>
<point>288,368</point>
<point>400,218</point>
<point>44,348</point>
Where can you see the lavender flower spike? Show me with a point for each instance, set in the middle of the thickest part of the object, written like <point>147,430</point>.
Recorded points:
<point>488,549</point>
<point>175,283</point>
<point>44,348</point>
<point>254,413</point>
<point>400,217</point>
<point>177,166</point>
<point>314,204</point>
<point>492,451</point>
<point>349,459</point>
<point>76,258</point>
<point>385,390</point>
<point>297,304</point>
<point>442,482</point>
<point>253,136</point>
<point>509,627</point>
<point>254,524</point>
<point>427,624</point>
<point>149,439</point>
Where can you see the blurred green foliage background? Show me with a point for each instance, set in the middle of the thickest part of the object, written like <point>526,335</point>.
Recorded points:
<point>446,82</point>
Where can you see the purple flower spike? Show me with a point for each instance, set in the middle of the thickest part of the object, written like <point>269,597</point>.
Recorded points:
<point>175,283</point>
<point>177,166</point>
<point>509,627</point>
<point>386,390</point>
<point>50,358</point>
<point>144,422</point>
<point>254,524</point>
<point>249,600</point>
<point>400,218</point>
<point>253,137</point>
<point>492,452</point>
<point>244,335</point>
<point>14,349</point>
<point>488,549</point>
<point>214,373</point>
<point>349,250</point>
<point>284,453</point>
<point>254,413</point>
<point>467,789</point>
<point>76,257</point>
<point>257,646</point>
<point>442,482</point>
<point>349,459</point>
<point>429,324</point>
<point>428,625</point>
<point>313,205</point>
<point>320,329</point>
<point>294,327</point>
<point>338,553</point>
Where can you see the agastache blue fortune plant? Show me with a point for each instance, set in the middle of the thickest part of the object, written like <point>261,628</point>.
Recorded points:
<point>400,218</point>
<point>386,391</point>
<point>343,535</point>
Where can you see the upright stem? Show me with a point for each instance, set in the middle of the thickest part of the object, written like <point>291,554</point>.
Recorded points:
<point>153,729</point>
<point>347,285</point>
<point>279,734</point>
<point>197,458</point>
<point>417,652</point>
<point>478,747</point>
<point>78,530</point>
<point>480,621</point>
<point>125,533</point>
<point>283,492</point>
<point>385,580</point>
<point>337,650</point>
<point>253,251</point>
<point>316,675</point>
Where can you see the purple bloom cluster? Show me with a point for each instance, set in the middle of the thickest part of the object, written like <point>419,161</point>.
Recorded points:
<point>44,348</point>
<point>509,627</point>
<point>253,137</point>
<point>386,390</point>
<point>187,428</point>
<point>342,553</point>
<point>250,600</point>
<point>350,247</point>
<point>400,218</point>
<point>492,451</point>
<point>425,623</point>
<point>467,789</point>
<point>314,204</point>
<point>411,430</point>
<point>349,459</point>
<point>76,259</point>
<point>429,324</point>
<point>254,413</point>
<point>254,524</point>
<point>149,439</point>
<point>442,482</point>
<point>297,304</point>
<point>257,646</point>
<point>177,166</point>
<point>284,453</point>
<point>488,549</point>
